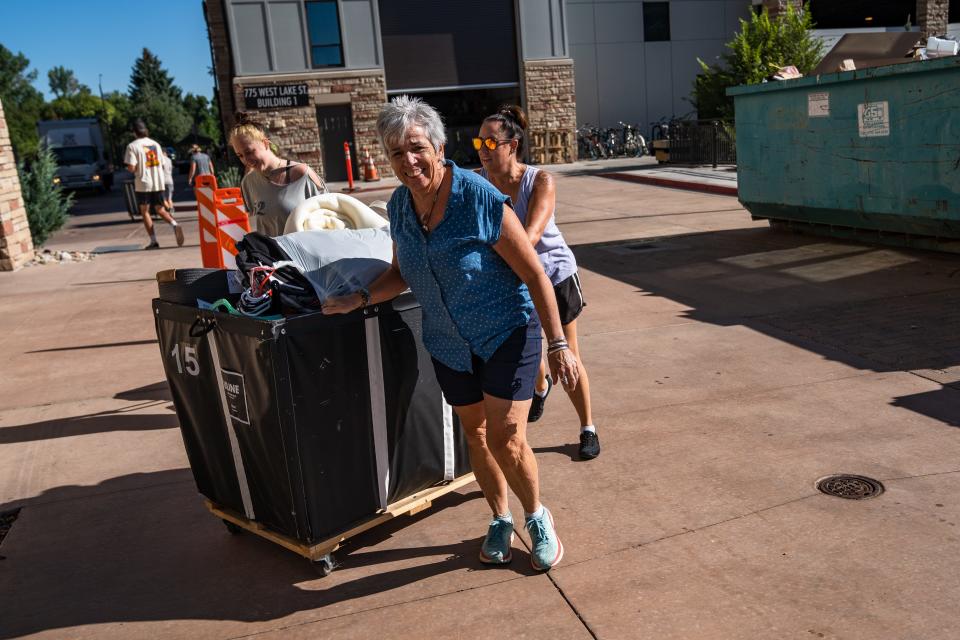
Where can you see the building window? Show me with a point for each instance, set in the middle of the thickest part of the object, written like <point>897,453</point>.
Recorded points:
<point>323,26</point>
<point>853,14</point>
<point>656,21</point>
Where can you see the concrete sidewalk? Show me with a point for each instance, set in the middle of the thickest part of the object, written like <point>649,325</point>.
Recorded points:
<point>731,367</point>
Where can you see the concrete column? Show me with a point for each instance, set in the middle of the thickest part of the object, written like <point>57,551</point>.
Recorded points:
<point>16,243</point>
<point>932,17</point>
<point>551,109</point>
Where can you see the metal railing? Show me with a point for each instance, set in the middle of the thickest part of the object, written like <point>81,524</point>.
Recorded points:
<point>702,142</point>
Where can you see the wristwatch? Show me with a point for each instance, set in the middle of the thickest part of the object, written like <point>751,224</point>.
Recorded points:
<point>364,296</point>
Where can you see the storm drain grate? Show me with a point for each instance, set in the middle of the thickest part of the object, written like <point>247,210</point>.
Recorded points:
<point>850,487</point>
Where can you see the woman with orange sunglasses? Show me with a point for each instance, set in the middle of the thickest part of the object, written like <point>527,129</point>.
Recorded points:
<point>533,192</point>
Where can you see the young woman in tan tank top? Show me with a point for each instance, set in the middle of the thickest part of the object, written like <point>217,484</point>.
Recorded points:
<point>273,187</point>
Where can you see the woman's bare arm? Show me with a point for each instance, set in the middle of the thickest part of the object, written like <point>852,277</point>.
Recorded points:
<point>515,249</point>
<point>543,201</point>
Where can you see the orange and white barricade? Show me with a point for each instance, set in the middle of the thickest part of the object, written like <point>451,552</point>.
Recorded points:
<point>223,222</point>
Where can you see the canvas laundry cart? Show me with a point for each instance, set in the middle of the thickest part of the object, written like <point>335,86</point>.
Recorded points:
<point>311,429</point>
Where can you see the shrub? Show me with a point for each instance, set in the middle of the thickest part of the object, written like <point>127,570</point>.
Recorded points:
<point>46,203</point>
<point>762,46</point>
<point>229,177</point>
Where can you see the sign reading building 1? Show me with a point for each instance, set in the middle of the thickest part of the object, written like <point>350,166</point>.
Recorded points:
<point>276,96</point>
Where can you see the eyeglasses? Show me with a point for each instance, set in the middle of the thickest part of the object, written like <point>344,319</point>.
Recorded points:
<point>489,143</point>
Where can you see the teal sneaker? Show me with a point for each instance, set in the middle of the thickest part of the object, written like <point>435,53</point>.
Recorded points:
<point>496,546</point>
<point>546,548</point>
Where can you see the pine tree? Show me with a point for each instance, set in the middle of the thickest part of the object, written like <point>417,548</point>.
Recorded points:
<point>45,201</point>
<point>149,76</point>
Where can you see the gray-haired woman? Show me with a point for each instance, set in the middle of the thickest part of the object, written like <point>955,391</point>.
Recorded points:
<point>466,257</point>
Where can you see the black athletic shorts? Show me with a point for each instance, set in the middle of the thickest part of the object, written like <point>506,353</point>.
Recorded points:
<point>570,300</point>
<point>151,198</point>
<point>510,373</point>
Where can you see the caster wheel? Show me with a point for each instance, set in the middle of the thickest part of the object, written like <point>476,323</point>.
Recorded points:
<point>232,528</point>
<point>325,565</point>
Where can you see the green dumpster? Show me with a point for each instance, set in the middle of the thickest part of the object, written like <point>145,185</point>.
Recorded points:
<point>872,154</point>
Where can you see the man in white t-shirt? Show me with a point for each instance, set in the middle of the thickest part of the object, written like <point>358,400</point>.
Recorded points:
<point>143,160</point>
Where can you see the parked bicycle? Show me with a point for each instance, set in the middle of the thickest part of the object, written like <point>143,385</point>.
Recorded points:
<point>610,142</point>
<point>590,142</point>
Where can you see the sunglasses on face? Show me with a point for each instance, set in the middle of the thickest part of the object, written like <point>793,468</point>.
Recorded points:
<point>489,143</point>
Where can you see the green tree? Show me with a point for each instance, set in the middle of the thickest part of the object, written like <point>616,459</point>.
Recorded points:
<point>46,203</point>
<point>762,46</point>
<point>149,76</point>
<point>204,116</point>
<point>21,101</point>
<point>119,125</point>
<point>81,104</point>
<point>163,114</point>
<point>63,83</point>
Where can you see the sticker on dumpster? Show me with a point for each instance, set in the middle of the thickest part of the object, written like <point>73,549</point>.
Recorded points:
<point>236,396</point>
<point>874,119</point>
<point>818,105</point>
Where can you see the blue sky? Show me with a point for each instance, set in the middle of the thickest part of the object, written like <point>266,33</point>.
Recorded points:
<point>106,36</point>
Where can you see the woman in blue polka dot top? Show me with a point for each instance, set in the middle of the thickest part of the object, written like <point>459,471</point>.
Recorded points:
<point>463,252</point>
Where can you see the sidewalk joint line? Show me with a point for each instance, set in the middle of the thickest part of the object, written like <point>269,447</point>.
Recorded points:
<point>586,625</point>
<point>697,530</point>
<point>922,475</point>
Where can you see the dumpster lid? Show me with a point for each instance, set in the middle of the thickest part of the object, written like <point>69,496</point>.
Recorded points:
<point>914,66</point>
<point>870,50</point>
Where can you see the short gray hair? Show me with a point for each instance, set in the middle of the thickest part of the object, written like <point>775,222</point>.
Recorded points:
<point>405,111</point>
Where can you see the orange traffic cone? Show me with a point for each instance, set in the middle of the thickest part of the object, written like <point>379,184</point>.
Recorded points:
<point>370,173</point>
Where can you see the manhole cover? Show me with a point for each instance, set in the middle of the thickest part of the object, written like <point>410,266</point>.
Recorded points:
<point>850,487</point>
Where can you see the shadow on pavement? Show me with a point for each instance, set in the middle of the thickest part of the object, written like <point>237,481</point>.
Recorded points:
<point>873,308</point>
<point>941,404</point>
<point>141,547</point>
<point>105,345</point>
<point>102,422</point>
<point>151,396</point>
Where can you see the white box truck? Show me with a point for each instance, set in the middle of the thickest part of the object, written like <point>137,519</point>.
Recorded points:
<point>81,155</point>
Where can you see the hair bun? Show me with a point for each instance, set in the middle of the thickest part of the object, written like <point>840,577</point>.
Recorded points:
<point>515,113</point>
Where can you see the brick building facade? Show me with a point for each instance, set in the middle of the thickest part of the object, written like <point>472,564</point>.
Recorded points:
<point>16,244</point>
<point>363,62</point>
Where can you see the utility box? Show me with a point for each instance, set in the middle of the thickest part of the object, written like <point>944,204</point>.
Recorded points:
<point>872,154</point>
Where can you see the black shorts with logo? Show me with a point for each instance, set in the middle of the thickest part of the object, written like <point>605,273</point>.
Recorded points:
<point>150,198</point>
<point>570,302</point>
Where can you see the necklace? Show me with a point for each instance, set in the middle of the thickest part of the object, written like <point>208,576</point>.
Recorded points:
<point>425,220</point>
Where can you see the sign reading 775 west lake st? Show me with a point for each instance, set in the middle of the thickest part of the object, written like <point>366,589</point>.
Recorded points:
<point>276,96</point>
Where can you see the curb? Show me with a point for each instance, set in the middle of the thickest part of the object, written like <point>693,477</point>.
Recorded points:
<point>672,184</point>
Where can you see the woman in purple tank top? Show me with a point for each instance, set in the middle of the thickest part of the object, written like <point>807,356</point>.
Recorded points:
<point>533,192</point>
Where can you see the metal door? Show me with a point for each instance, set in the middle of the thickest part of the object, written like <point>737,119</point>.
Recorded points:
<point>336,127</point>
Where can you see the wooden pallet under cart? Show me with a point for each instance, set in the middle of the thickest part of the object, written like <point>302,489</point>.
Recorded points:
<point>319,553</point>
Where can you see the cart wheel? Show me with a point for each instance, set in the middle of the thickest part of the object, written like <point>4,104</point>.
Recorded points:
<point>232,528</point>
<point>325,565</point>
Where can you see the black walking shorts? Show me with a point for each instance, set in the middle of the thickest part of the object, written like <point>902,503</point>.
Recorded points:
<point>510,373</point>
<point>570,302</point>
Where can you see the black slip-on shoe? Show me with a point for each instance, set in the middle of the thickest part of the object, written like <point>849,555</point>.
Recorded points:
<point>536,406</point>
<point>589,445</point>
